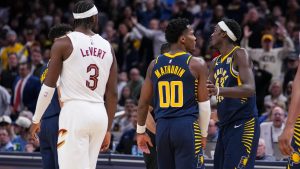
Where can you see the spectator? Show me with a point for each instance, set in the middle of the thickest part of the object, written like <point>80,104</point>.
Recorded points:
<point>21,129</point>
<point>236,10</point>
<point>26,90</point>
<point>32,146</point>
<point>266,116</point>
<point>122,120</point>
<point>270,59</point>
<point>36,59</point>
<point>135,83</point>
<point>5,143</point>
<point>127,144</point>
<point>9,75</point>
<point>122,82</point>
<point>125,94</point>
<point>155,33</point>
<point>212,131</point>
<point>261,152</point>
<point>270,131</point>
<point>151,12</point>
<point>276,94</point>
<point>292,65</point>
<point>5,108</point>
<point>12,47</point>
<point>5,123</point>
<point>180,10</point>
<point>193,7</point>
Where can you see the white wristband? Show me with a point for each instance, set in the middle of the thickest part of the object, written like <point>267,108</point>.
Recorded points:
<point>204,116</point>
<point>218,91</point>
<point>140,129</point>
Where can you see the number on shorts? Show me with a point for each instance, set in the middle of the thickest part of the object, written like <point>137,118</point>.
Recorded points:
<point>167,94</point>
<point>93,77</point>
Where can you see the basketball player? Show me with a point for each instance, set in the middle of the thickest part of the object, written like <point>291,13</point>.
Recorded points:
<point>292,127</point>
<point>49,128</point>
<point>87,68</point>
<point>173,80</point>
<point>232,82</point>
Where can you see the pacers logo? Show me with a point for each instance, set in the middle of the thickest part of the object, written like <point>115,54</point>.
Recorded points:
<point>200,160</point>
<point>61,137</point>
<point>294,158</point>
<point>243,162</point>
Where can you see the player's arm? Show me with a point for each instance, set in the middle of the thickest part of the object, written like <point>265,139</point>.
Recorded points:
<point>199,66</point>
<point>247,87</point>
<point>58,51</point>
<point>150,122</point>
<point>111,95</point>
<point>143,140</point>
<point>145,99</point>
<point>211,71</point>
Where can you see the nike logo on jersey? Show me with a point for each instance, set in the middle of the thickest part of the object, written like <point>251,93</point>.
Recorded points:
<point>237,126</point>
<point>170,61</point>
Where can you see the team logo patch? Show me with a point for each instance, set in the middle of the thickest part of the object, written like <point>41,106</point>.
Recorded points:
<point>243,162</point>
<point>200,160</point>
<point>294,158</point>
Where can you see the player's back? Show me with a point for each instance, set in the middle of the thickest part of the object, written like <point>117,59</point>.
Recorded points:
<point>175,87</point>
<point>85,72</point>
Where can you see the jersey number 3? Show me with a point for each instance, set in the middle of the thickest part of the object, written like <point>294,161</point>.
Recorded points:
<point>93,81</point>
<point>167,94</point>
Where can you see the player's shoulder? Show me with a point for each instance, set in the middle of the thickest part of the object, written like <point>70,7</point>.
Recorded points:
<point>197,62</point>
<point>241,52</point>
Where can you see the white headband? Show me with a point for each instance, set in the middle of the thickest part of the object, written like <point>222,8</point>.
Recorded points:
<point>225,28</point>
<point>89,13</point>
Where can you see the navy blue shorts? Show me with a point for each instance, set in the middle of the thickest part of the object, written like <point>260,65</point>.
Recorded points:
<point>237,145</point>
<point>294,159</point>
<point>48,142</point>
<point>178,142</point>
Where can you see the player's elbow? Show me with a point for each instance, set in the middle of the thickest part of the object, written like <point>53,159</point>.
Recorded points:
<point>251,91</point>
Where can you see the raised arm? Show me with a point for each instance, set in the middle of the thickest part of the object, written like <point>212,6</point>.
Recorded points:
<point>143,30</point>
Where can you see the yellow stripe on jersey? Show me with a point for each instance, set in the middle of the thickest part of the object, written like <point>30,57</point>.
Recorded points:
<point>156,60</point>
<point>188,60</point>
<point>174,55</point>
<point>225,57</point>
<point>198,137</point>
<point>247,137</point>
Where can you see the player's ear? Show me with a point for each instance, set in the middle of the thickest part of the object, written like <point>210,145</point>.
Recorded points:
<point>182,39</point>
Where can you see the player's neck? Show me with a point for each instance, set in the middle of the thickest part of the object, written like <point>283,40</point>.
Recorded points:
<point>226,48</point>
<point>175,48</point>
<point>86,31</point>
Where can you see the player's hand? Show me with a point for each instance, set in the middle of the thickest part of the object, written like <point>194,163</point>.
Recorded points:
<point>106,142</point>
<point>34,128</point>
<point>285,141</point>
<point>212,90</point>
<point>143,141</point>
<point>204,140</point>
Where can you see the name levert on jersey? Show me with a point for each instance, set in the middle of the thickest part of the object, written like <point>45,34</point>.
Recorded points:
<point>93,51</point>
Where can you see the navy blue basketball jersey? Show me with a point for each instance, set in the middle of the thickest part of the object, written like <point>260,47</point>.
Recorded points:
<point>174,86</point>
<point>231,109</point>
<point>54,106</point>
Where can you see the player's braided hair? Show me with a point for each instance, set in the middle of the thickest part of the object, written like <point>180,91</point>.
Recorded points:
<point>80,7</point>
<point>59,31</point>
<point>234,27</point>
<point>175,29</point>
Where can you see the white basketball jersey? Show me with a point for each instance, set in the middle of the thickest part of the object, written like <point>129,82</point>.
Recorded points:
<point>85,73</point>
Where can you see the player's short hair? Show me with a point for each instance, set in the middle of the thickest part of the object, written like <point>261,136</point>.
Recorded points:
<point>80,7</point>
<point>175,29</point>
<point>59,31</point>
<point>234,27</point>
<point>164,48</point>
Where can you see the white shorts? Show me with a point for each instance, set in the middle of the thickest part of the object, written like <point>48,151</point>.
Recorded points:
<point>82,127</point>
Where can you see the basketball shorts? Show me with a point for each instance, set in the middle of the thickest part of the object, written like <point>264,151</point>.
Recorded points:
<point>237,145</point>
<point>82,128</point>
<point>294,159</point>
<point>178,142</point>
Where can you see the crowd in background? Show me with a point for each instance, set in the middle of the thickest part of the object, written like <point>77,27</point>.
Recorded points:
<point>135,28</point>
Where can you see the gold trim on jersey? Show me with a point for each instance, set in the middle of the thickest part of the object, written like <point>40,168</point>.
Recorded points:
<point>248,135</point>
<point>196,89</point>
<point>297,132</point>
<point>174,55</point>
<point>156,60</point>
<point>225,57</point>
<point>188,60</point>
<point>198,137</point>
